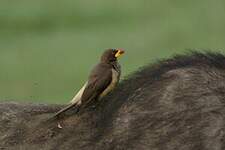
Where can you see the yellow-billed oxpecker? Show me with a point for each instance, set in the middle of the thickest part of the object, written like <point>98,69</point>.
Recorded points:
<point>102,79</point>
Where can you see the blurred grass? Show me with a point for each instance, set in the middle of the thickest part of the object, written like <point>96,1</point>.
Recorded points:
<point>47,47</point>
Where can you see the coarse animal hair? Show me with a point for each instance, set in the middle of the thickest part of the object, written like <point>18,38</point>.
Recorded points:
<point>176,103</point>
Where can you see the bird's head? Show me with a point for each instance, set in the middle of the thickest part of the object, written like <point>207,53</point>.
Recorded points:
<point>111,55</point>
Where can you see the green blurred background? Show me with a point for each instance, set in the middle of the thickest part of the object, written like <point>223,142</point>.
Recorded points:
<point>47,47</point>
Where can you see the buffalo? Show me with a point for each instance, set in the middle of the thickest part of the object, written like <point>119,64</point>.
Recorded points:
<point>173,104</point>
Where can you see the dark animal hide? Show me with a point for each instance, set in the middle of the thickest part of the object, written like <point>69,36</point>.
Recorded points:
<point>175,104</point>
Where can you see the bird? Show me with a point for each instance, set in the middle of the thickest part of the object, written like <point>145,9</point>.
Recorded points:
<point>102,80</point>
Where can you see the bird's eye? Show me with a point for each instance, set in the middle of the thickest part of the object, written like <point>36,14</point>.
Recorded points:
<point>114,51</point>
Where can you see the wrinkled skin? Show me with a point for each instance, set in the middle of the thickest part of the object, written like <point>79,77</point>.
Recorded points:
<point>175,104</point>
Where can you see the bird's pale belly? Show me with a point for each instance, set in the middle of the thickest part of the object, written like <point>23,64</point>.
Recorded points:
<point>112,85</point>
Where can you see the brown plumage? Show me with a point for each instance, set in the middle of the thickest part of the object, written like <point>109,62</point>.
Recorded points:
<point>102,79</point>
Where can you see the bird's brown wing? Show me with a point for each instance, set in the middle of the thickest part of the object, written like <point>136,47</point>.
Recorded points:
<point>99,79</point>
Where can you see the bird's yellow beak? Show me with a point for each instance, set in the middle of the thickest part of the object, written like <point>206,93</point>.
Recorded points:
<point>119,53</point>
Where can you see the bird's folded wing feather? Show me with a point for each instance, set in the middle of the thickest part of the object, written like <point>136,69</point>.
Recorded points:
<point>99,80</point>
<point>77,98</point>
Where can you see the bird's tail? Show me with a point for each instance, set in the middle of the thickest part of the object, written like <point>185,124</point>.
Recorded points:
<point>60,112</point>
